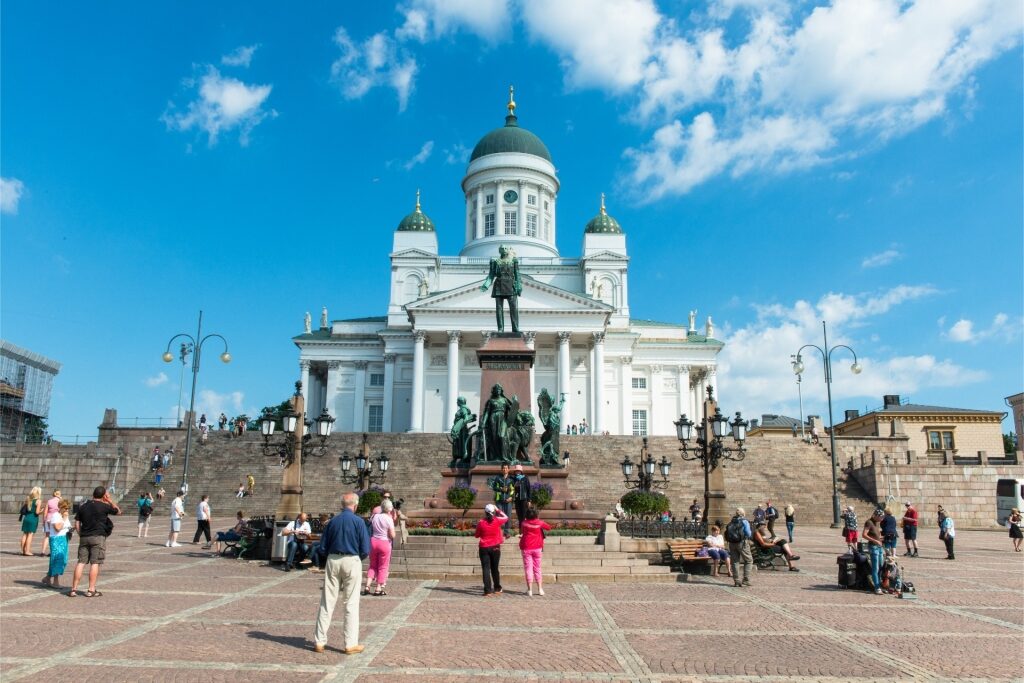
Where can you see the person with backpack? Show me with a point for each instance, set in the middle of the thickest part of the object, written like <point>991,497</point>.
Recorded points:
<point>145,504</point>
<point>93,525</point>
<point>850,529</point>
<point>521,484</point>
<point>738,534</point>
<point>770,515</point>
<point>947,532</point>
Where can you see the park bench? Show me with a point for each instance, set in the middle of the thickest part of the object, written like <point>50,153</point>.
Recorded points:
<point>682,553</point>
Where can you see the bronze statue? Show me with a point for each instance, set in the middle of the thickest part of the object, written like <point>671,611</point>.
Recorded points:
<point>504,273</point>
<point>520,433</point>
<point>494,422</point>
<point>551,420</point>
<point>461,434</point>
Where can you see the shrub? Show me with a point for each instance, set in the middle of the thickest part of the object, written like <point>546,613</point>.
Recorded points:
<point>645,504</point>
<point>461,496</point>
<point>541,494</point>
<point>369,499</point>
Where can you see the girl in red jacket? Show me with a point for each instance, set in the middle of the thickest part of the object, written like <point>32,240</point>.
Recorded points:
<point>531,542</point>
<point>488,530</point>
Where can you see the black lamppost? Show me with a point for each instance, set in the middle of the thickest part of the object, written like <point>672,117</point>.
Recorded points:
<point>798,368</point>
<point>710,449</point>
<point>289,422</point>
<point>364,475</point>
<point>196,344</point>
<point>645,475</point>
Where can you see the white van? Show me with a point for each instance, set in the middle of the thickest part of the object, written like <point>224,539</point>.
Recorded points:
<point>1009,495</point>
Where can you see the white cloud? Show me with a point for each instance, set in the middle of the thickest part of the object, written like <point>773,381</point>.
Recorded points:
<point>212,404</point>
<point>11,190</point>
<point>222,104</point>
<point>241,56</point>
<point>420,156</point>
<point>427,19</point>
<point>880,259</point>
<point>153,382</point>
<point>377,61</point>
<point>757,375</point>
<point>1003,328</point>
<point>456,154</point>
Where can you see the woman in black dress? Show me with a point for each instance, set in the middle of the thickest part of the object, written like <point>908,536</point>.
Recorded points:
<point>1014,522</point>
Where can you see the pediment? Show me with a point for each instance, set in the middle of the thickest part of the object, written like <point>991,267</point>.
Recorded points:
<point>413,253</point>
<point>537,297</point>
<point>605,255</point>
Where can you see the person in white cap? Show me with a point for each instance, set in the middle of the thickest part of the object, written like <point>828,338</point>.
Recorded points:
<point>910,529</point>
<point>488,530</point>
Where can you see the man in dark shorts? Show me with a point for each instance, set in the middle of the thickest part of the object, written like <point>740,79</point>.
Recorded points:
<point>910,529</point>
<point>91,525</point>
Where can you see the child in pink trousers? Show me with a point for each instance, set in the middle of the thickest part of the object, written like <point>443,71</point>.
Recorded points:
<point>383,533</point>
<point>531,543</point>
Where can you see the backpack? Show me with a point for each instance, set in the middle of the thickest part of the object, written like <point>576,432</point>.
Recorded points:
<point>146,510</point>
<point>734,532</point>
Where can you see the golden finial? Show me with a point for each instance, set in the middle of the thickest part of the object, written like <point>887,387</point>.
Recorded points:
<point>511,101</point>
<point>603,212</point>
<point>417,199</point>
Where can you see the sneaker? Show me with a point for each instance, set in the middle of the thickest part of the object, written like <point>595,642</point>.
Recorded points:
<point>737,585</point>
<point>909,553</point>
<point>167,545</point>
<point>794,569</point>
<point>915,554</point>
<point>175,545</point>
<point>529,592</point>
<point>878,591</point>
<point>746,584</point>
<point>317,647</point>
<point>354,650</point>
<point>540,591</point>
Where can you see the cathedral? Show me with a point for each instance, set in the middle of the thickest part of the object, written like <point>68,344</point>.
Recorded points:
<point>403,371</point>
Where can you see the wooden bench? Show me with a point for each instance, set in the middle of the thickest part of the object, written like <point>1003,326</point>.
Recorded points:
<point>681,552</point>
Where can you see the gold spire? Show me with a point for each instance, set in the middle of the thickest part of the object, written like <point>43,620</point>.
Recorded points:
<point>603,212</point>
<point>417,199</point>
<point>511,101</point>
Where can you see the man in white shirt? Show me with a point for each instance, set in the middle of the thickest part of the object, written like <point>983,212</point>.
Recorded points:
<point>177,514</point>
<point>297,532</point>
<point>203,521</point>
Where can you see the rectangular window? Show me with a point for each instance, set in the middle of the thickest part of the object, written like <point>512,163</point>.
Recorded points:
<point>510,223</point>
<point>489,199</point>
<point>639,382</point>
<point>531,199</point>
<point>531,225</point>
<point>940,441</point>
<point>488,224</point>
<point>639,423</point>
<point>547,229</point>
<point>376,379</point>
<point>376,419</point>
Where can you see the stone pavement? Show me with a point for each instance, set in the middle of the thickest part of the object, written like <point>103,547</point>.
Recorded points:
<point>183,615</point>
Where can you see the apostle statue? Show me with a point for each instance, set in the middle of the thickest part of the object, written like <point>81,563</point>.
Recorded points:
<point>551,420</point>
<point>504,274</point>
<point>308,323</point>
<point>323,318</point>
<point>460,434</point>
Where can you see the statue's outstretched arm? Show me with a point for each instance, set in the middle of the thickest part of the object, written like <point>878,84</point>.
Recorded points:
<point>491,273</point>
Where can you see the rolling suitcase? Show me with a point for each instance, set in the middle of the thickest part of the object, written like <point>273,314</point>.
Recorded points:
<point>847,571</point>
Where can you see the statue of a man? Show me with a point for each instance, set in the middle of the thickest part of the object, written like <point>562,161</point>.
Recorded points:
<point>551,420</point>
<point>308,323</point>
<point>495,422</point>
<point>460,433</point>
<point>693,321</point>
<point>504,274</point>
<point>323,318</point>
<point>709,328</point>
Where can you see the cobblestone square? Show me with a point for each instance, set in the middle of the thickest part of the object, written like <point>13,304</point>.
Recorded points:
<point>183,614</point>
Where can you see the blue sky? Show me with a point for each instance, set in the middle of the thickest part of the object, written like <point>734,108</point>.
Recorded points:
<point>773,164</point>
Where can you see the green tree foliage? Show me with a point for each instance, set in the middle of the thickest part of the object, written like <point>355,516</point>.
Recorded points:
<point>645,504</point>
<point>461,496</point>
<point>1009,443</point>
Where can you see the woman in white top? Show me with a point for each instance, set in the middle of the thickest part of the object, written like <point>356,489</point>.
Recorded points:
<point>715,544</point>
<point>59,525</point>
<point>382,532</point>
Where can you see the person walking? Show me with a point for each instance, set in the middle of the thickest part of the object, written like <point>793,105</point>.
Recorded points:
<point>531,544</point>
<point>504,494</point>
<point>738,535</point>
<point>177,514</point>
<point>30,511</point>
<point>382,535</point>
<point>489,531</point>
<point>770,515</point>
<point>876,554</point>
<point>52,505</point>
<point>59,525</point>
<point>145,504</point>
<point>203,521</point>
<point>93,526</point>
<point>345,542</point>
<point>522,495</point>
<point>850,529</point>
<point>250,482</point>
<point>947,532</point>
<point>890,536</point>
<point>910,529</point>
<point>790,520</point>
<point>1013,523</point>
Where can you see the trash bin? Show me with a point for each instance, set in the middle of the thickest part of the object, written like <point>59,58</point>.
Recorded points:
<point>280,547</point>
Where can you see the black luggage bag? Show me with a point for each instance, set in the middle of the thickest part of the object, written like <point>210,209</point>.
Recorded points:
<point>847,571</point>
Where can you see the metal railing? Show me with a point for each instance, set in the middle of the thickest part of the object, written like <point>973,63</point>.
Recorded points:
<point>134,422</point>
<point>651,528</point>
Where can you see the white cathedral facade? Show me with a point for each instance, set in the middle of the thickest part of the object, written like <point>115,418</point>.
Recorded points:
<point>403,371</point>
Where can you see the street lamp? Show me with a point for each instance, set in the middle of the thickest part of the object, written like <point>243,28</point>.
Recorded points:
<point>196,347</point>
<point>710,449</point>
<point>645,475</point>
<point>183,354</point>
<point>855,368</point>
<point>364,475</point>
<point>289,423</point>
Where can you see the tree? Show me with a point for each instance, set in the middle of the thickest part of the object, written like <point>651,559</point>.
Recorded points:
<point>34,429</point>
<point>277,412</point>
<point>1009,443</point>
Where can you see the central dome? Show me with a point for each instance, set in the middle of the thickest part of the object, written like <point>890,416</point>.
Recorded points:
<point>511,138</point>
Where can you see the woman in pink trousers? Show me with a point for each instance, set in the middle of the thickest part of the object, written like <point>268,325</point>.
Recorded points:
<point>382,533</point>
<point>531,542</point>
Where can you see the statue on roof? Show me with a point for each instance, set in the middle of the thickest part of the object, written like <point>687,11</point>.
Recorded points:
<point>709,328</point>
<point>693,321</point>
<point>308,323</point>
<point>323,318</point>
<point>508,285</point>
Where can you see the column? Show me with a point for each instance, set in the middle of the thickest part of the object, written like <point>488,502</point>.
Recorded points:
<point>304,372</point>
<point>713,380</point>
<point>453,375</point>
<point>564,370</point>
<point>598,370</point>
<point>521,210</point>
<point>479,211</point>
<point>360,398</point>
<point>683,392</point>
<point>499,218</point>
<point>625,393</point>
<point>655,417</point>
<point>531,340</point>
<point>416,401</point>
<point>333,379</point>
<point>389,390</point>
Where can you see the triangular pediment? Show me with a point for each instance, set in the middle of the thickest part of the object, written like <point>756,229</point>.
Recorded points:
<point>605,255</point>
<point>537,297</point>
<point>413,253</point>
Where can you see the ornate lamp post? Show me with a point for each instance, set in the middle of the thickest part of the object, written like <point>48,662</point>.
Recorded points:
<point>364,476</point>
<point>196,343</point>
<point>798,368</point>
<point>645,475</point>
<point>710,449</point>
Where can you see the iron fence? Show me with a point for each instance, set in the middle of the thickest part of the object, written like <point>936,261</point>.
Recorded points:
<point>651,528</point>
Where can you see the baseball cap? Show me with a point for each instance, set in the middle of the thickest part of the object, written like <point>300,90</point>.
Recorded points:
<point>879,512</point>
<point>490,507</point>
<point>519,468</point>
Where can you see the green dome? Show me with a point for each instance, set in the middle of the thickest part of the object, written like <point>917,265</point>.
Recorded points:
<point>603,223</point>
<point>417,221</point>
<point>510,138</point>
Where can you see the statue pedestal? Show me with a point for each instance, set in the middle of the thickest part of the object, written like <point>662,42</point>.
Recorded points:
<point>505,359</point>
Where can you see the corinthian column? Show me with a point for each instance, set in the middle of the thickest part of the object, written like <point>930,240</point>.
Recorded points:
<point>453,376</point>
<point>598,372</point>
<point>416,400</point>
<point>389,391</point>
<point>564,362</point>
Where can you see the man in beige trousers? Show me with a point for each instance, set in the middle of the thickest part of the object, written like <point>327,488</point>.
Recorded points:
<point>346,543</point>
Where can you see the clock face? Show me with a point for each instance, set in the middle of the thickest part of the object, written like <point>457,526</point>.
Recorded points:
<point>511,197</point>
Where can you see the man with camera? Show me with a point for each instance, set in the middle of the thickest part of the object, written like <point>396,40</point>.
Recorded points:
<point>297,532</point>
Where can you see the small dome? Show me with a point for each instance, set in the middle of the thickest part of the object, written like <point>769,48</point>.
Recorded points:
<point>603,223</point>
<point>511,138</point>
<point>417,221</point>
